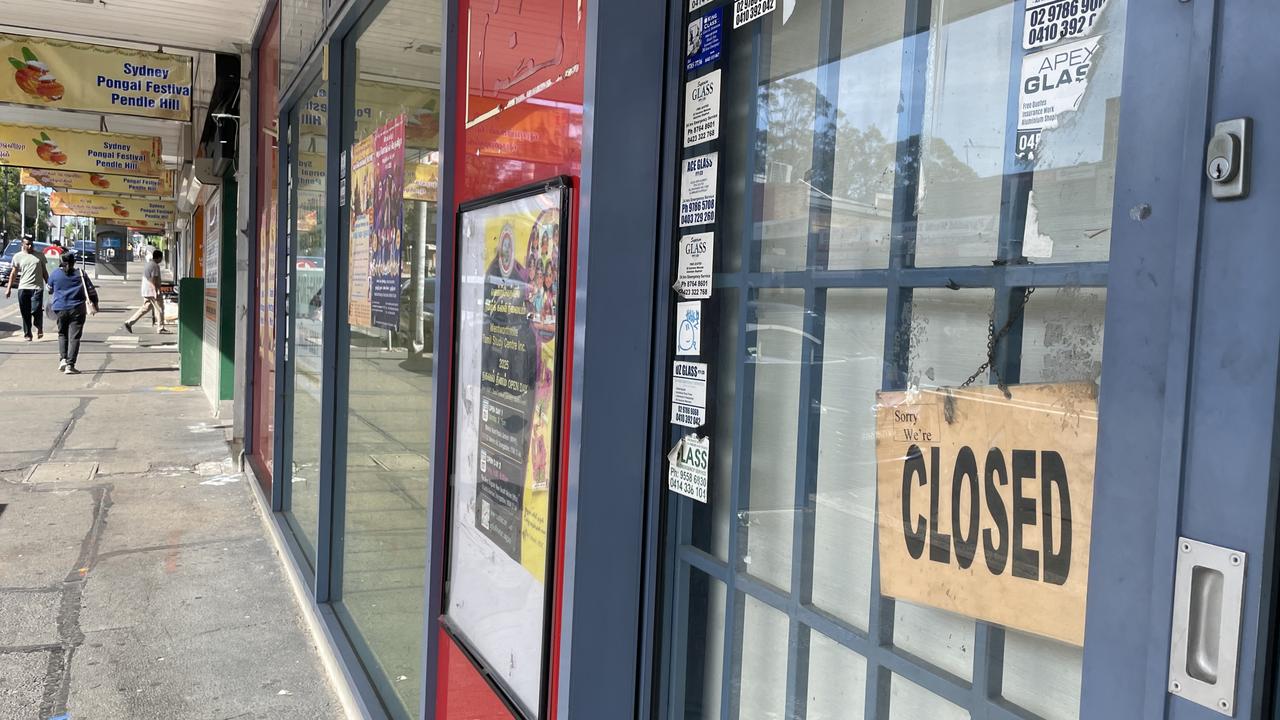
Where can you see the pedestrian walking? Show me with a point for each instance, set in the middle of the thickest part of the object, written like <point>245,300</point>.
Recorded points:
<point>31,273</point>
<point>151,299</point>
<point>69,292</point>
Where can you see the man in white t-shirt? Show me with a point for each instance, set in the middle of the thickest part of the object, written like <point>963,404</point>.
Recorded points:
<point>31,273</point>
<point>151,299</point>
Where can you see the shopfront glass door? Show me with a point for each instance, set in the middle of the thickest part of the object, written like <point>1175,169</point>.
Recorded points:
<point>915,200</point>
<point>305,356</point>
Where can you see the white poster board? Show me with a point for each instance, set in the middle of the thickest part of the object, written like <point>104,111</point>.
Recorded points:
<point>505,431</point>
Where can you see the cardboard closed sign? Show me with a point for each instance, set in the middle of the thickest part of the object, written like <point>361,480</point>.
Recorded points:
<point>984,503</point>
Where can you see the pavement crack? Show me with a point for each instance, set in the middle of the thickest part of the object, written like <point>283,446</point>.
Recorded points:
<point>57,681</point>
<point>76,416</point>
<point>175,546</point>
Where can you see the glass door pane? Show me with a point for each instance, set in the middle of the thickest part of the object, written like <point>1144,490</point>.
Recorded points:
<point>915,194</point>
<point>308,127</point>
<point>390,425</point>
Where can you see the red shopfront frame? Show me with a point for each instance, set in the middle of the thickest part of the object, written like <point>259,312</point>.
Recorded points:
<point>530,129</point>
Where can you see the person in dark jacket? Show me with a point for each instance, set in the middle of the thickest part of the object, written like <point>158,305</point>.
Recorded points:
<point>70,290</point>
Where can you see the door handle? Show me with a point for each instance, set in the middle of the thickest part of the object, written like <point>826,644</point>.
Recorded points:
<point>1204,643</point>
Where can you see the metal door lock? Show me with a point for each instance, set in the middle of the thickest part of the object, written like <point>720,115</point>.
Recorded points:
<point>1227,158</point>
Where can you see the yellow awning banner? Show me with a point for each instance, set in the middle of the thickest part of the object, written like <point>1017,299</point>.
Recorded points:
<point>99,183</point>
<point>44,72</point>
<point>121,210</point>
<point>80,150</point>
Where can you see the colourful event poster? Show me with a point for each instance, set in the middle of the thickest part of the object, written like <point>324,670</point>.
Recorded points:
<point>508,358</point>
<point>517,377</point>
<point>362,185</point>
<point>387,225</point>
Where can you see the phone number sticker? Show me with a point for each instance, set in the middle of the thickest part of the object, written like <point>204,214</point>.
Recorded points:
<point>1053,21</point>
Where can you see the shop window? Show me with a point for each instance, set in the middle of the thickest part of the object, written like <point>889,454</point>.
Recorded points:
<point>391,321</point>
<point>308,125</point>
<point>266,160</point>
<point>911,195</point>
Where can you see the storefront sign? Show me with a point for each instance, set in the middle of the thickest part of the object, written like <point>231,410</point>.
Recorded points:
<point>505,460</point>
<point>81,150</point>
<point>121,210</point>
<point>1053,21</point>
<point>377,222</point>
<point>984,503</point>
<point>698,190</point>
<point>689,328</point>
<point>695,265</point>
<point>744,11</point>
<point>1053,82</point>
<point>101,184</point>
<point>690,462</point>
<point>96,78</point>
<point>705,38</point>
<point>702,109</point>
<point>689,393</point>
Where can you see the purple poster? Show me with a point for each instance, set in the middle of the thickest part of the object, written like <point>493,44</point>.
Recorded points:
<point>388,224</point>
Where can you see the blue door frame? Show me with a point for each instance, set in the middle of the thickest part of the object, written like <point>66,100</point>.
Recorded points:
<point>1188,415</point>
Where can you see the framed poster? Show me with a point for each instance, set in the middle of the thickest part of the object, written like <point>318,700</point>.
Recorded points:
<point>508,357</point>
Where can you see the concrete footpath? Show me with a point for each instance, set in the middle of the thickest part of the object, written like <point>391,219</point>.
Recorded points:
<point>136,578</point>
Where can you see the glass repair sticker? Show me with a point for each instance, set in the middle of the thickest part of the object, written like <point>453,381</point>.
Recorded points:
<point>1053,82</point>
<point>689,328</point>
<point>744,11</point>
<point>695,264</point>
<point>689,461</point>
<point>698,190</point>
<point>706,35</point>
<point>702,109</point>
<point>1052,21</point>
<point>689,393</point>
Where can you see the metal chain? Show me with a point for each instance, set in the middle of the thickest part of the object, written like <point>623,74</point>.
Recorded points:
<point>993,341</point>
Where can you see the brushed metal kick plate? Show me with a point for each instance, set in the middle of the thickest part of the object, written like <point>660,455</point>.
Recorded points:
<point>1204,650</point>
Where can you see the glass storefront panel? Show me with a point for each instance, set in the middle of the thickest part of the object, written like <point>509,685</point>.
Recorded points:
<point>383,535</point>
<point>889,170</point>
<point>264,295</point>
<point>307,125</point>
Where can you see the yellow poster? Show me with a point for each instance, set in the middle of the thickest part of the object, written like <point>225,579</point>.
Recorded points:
<point>99,183</point>
<point>519,374</point>
<point>421,181</point>
<point>80,150</point>
<point>120,209</point>
<point>74,76</point>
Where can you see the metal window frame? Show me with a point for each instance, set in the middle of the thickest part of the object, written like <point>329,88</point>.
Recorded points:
<point>981,695</point>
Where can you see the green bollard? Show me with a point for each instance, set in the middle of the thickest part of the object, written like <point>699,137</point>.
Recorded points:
<point>190,329</point>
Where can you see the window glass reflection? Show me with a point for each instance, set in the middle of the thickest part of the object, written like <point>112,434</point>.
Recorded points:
<point>306,305</point>
<point>391,362</point>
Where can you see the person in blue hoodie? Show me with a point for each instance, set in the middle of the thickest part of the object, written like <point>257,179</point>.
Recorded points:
<point>70,291</point>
